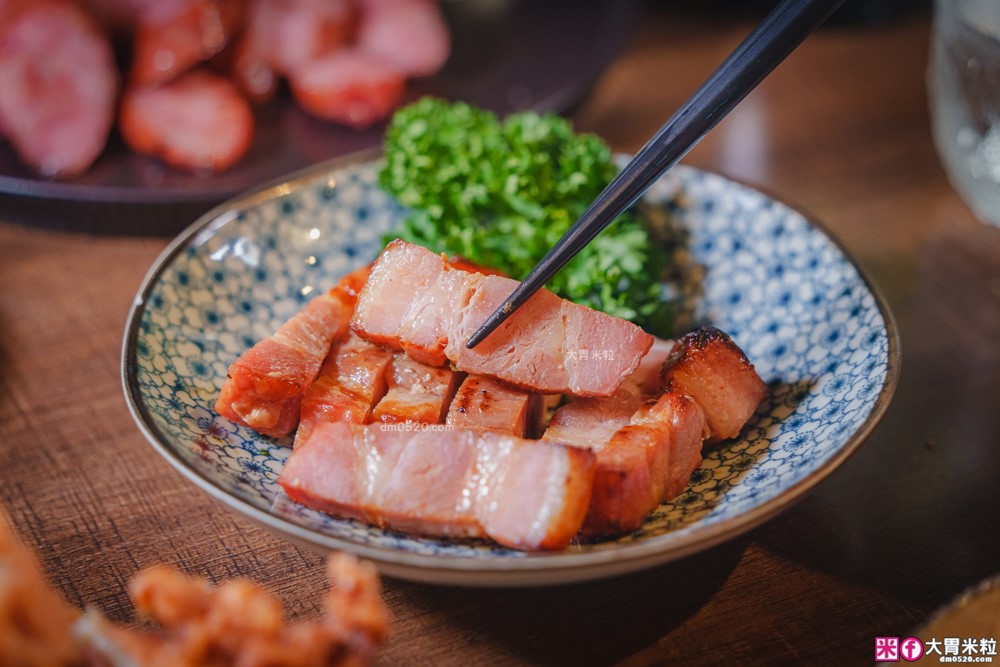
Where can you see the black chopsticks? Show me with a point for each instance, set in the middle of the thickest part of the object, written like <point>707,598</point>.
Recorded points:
<point>777,36</point>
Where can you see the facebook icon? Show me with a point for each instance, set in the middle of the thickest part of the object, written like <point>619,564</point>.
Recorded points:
<point>911,649</point>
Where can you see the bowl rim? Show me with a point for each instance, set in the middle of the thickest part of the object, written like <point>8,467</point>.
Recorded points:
<point>626,557</point>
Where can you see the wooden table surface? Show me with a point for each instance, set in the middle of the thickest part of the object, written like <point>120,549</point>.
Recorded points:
<point>841,130</point>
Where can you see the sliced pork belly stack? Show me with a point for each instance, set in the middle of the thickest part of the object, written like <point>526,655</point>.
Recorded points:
<point>416,392</point>
<point>646,377</point>
<point>265,386</point>
<point>710,368</point>
<point>417,302</point>
<point>682,420</point>
<point>525,494</point>
<point>409,301</point>
<point>485,404</point>
<point>350,382</point>
<point>645,462</point>
<point>591,422</point>
<point>648,443</point>
<point>549,345</point>
<point>638,451</point>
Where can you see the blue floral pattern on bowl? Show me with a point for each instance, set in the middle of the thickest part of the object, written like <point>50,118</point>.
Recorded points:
<point>751,266</point>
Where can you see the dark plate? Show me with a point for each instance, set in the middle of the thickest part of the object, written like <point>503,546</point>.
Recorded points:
<point>507,55</point>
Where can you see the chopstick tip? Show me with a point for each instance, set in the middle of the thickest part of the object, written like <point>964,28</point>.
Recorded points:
<point>491,323</point>
<point>478,337</point>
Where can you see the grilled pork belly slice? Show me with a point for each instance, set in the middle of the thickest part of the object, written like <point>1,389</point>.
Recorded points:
<point>265,386</point>
<point>710,368</point>
<point>417,302</point>
<point>645,463</point>
<point>407,302</point>
<point>647,446</point>
<point>525,494</point>
<point>591,422</point>
<point>683,419</point>
<point>485,404</point>
<point>350,382</point>
<point>549,345</point>
<point>416,392</point>
<point>646,377</point>
<point>646,451</point>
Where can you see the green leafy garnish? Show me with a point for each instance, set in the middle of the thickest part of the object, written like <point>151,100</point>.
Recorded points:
<point>502,193</point>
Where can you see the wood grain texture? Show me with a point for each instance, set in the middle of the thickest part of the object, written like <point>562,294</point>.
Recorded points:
<point>841,130</point>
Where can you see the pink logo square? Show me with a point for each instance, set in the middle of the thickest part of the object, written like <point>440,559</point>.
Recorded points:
<point>887,649</point>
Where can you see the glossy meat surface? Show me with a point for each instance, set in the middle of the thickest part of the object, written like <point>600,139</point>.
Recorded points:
<point>415,301</point>
<point>526,494</point>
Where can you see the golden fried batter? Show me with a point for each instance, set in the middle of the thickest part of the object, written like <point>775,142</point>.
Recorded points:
<point>238,624</point>
<point>34,621</point>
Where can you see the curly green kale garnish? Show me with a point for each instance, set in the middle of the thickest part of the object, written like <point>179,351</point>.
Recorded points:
<point>502,193</point>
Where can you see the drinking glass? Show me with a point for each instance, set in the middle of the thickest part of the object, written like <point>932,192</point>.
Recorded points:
<point>964,90</point>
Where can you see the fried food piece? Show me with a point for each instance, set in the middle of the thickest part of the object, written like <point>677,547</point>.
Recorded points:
<point>241,624</point>
<point>34,622</point>
<point>237,624</point>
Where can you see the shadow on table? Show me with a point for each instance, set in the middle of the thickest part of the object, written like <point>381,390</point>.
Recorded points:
<point>591,623</point>
<point>901,519</point>
<point>915,512</point>
<point>599,622</point>
<point>739,462</point>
